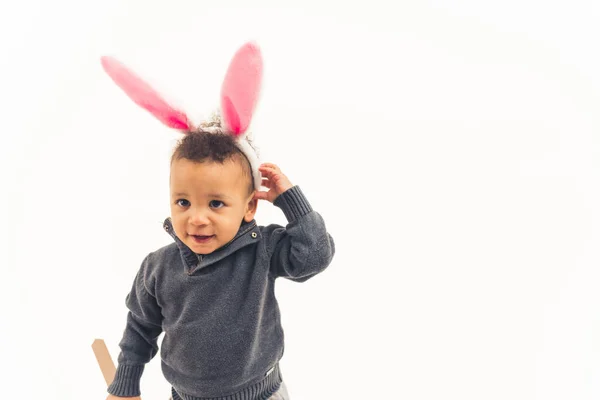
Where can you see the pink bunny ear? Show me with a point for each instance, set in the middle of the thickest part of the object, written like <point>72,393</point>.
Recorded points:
<point>241,88</point>
<point>143,95</point>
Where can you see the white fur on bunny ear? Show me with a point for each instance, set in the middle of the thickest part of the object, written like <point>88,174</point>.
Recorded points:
<point>252,157</point>
<point>144,96</point>
<point>241,89</point>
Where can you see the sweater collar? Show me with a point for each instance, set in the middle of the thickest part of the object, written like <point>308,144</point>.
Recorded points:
<point>246,235</point>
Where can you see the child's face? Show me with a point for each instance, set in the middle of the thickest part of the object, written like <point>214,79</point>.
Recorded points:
<point>209,200</point>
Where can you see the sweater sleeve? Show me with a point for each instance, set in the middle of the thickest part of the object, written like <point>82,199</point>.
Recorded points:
<point>139,342</point>
<point>303,248</point>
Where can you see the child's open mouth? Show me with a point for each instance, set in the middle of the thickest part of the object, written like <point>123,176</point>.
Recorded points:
<point>201,239</point>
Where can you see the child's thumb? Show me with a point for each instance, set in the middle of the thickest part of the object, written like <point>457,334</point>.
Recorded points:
<point>259,195</point>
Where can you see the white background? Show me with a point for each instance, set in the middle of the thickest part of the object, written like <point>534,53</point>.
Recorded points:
<point>452,148</point>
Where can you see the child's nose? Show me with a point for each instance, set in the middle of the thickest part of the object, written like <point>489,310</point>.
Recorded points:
<point>199,217</point>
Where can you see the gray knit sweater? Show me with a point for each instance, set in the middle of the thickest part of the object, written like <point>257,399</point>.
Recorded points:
<point>222,331</point>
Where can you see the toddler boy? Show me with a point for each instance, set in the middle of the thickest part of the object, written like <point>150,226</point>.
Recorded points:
<point>212,290</point>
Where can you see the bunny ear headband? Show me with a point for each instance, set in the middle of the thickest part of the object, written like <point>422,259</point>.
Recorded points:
<point>239,96</point>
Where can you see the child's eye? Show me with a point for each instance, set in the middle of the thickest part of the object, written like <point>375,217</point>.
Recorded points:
<point>182,203</point>
<point>216,204</point>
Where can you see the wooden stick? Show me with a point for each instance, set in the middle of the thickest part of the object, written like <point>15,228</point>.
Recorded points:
<point>107,366</point>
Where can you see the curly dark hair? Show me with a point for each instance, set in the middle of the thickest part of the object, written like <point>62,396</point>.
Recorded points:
<point>200,146</point>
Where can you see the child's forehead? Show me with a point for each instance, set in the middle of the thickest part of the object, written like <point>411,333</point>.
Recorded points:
<point>207,176</point>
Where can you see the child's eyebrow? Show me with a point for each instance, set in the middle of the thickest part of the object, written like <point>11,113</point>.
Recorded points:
<point>219,195</point>
<point>212,195</point>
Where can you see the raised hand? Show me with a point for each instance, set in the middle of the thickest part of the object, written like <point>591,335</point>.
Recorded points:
<point>274,180</point>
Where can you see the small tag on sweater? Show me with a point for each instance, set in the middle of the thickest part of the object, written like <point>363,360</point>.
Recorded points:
<point>269,371</point>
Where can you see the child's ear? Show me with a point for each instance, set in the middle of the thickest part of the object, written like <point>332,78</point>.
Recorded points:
<point>251,209</point>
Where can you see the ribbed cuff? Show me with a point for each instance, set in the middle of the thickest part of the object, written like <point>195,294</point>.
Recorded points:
<point>293,203</point>
<point>127,381</point>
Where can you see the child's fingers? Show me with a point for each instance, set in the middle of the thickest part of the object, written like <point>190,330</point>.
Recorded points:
<point>260,195</point>
<point>268,172</point>
<point>264,167</point>
<point>266,183</point>
<point>271,168</point>
<point>275,178</point>
<point>269,165</point>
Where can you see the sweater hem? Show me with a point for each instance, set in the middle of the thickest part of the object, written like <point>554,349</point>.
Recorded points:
<point>261,390</point>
